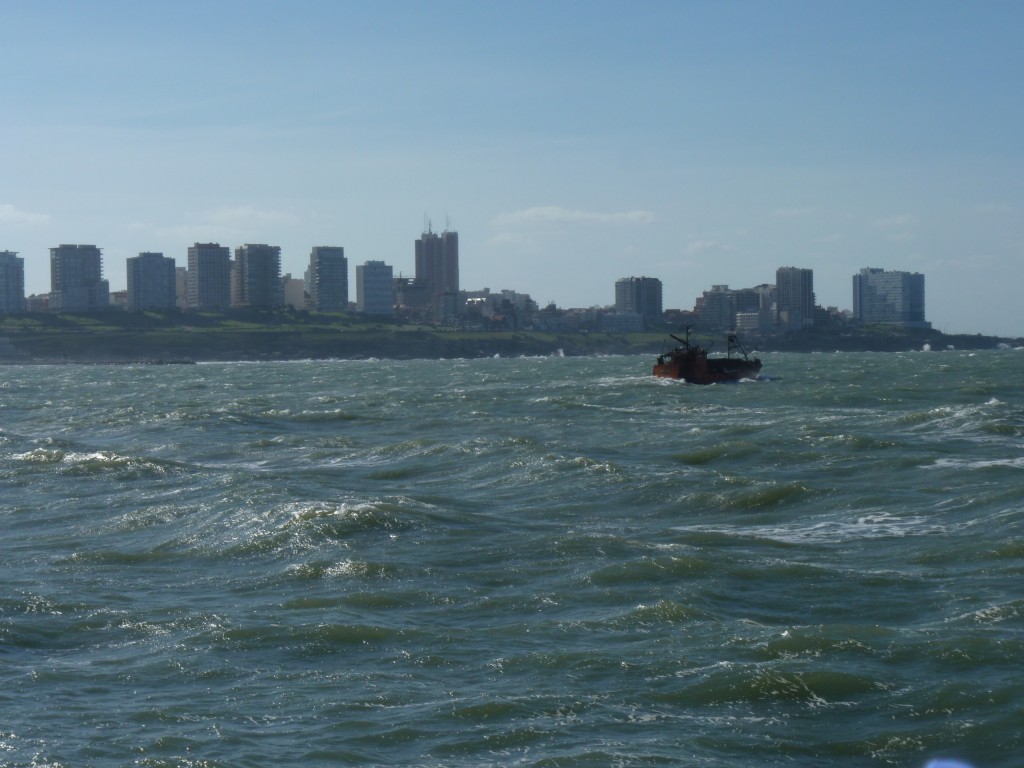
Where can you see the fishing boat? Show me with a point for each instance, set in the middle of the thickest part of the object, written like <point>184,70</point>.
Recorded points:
<point>690,362</point>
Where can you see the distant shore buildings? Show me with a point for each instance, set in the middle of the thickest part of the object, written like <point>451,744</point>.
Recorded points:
<point>208,279</point>
<point>214,281</point>
<point>12,283</point>
<point>433,293</point>
<point>889,297</point>
<point>152,282</point>
<point>375,291</point>
<point>76,279</point>
<point>327,279</point>
<point>794,298</point>
<point>638,302</point>
<point>880,297</point>
<point>256,277</point>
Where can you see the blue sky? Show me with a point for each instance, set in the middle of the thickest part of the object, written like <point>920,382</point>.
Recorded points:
<point>569,143</point>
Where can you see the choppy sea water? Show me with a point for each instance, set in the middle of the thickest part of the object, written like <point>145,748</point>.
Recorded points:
<point>534,562</point>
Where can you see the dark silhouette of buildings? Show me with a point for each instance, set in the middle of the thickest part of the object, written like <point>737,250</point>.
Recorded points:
<point>208,282</point>
<point>794,298</point>
<point>257,276</point>
<point>437,273</point>
<point>639,296</point>
<point>375,292</point>
<point>12,283</point>
<point>76,279</point>
<point>151,282</point>
<point>327,279</point>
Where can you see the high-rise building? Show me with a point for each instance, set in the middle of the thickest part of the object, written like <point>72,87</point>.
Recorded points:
<point>76,279</point>
<point>181,287</point>
<point>209,276</point>
<point>716,309</point>
<point>437,266</point>
<point>735,309</point>
<point>375,292</point>
<point>639,296</point>
<point>889,297</point>
<point>12,283</point>
<point>327,279</point>
<point>259,276</point>
<point>794,297</point>
<point>151,282</point>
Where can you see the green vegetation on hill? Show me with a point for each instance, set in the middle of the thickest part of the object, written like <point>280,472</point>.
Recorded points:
<point>265,335</point>
<point>118,336</point>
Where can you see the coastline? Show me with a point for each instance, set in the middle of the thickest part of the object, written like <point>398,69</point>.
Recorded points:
<point>175,338</point>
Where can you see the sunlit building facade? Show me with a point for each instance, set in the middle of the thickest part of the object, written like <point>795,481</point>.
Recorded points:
<point>881,296</point>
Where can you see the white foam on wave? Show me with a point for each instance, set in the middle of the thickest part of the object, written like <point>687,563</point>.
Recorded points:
<point>869,525</point>
<point>947,464</point>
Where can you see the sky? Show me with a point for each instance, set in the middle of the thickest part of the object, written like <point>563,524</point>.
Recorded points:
<point>569,143</point>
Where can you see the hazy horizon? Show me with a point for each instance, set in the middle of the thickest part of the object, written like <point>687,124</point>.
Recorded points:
<point>570,144</point>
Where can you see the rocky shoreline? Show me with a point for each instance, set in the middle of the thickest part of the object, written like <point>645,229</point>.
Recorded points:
<point>183,346</point>
<point>251,335</point>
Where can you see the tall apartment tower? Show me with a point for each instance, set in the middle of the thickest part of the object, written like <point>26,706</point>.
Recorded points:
<point>716,309</point>
<point>889,297</point>
<point>259,276</point>
<point>151,282</point>
<point>327,279</point>
<point>76,279</point>
<point>437,262</point>
<point>794,297</point>
<point>375,288</point>
<point>181,287</point>
<point>12,283</point>
<point>208,282</point>
<point>639,296</point>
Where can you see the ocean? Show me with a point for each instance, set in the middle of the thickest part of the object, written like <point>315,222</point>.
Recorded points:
<point>546,562</point>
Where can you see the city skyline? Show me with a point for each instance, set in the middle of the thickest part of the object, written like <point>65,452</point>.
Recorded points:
<point>211,278</point>
<point>570,143</point>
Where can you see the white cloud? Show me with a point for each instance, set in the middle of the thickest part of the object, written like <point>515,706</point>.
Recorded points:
<point>552,214</point>
<point>700,247</point>
<point>515,239</point>
<point>198,233</point>
<point>230,224</point>
<point>11,215</point>
<point>247,216</point>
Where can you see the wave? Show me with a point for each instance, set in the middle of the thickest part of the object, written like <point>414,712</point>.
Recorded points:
<point>87,463</point>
